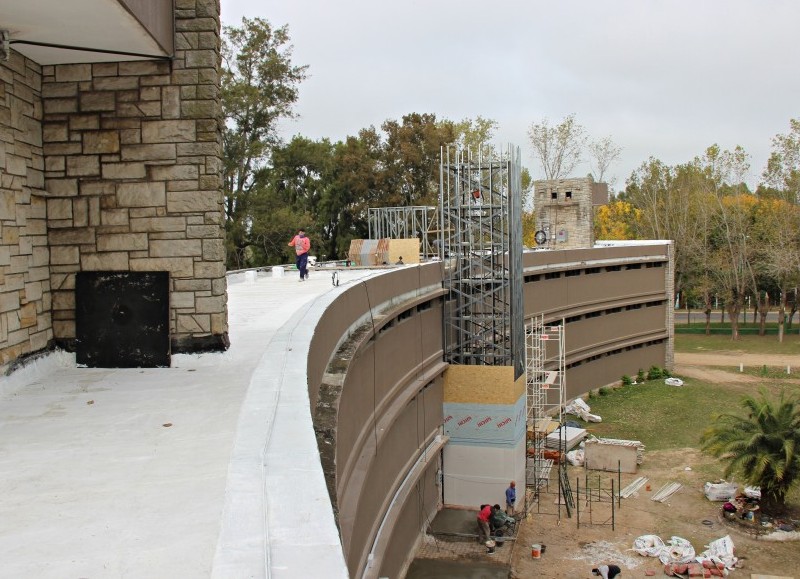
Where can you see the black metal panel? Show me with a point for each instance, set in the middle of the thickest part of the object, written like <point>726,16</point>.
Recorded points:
<point>122,319</point>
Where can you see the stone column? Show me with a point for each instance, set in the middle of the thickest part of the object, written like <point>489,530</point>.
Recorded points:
<point>132,155</point>
<point>25,322</point>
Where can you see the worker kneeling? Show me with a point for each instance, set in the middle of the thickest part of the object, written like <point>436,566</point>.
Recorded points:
<point>500,523</point>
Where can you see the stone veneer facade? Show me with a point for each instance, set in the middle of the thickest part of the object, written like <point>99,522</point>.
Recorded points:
<point>25,299</point>
<point>564,210</point>
<point>114,167</point>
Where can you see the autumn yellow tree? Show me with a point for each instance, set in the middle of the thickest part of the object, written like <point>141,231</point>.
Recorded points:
<point>528,228</point>
<point>616,220</point>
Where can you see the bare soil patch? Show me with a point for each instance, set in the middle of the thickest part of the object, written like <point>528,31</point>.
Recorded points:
<point>572,551</point>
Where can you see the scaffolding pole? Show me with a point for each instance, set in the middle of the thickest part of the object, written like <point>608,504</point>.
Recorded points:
<point>546,392</point>
<point>481,242</point>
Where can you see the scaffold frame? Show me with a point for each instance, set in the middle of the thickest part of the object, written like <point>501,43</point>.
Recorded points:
<point>417,221</point>
<point>481,242</point>
<point>545,378</point>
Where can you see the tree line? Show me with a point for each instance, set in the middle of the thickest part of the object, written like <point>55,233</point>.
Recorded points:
<point>730,243</point>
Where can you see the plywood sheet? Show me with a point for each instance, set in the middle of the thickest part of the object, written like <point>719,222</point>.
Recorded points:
<point>609,456</point>
<point>482,385</point>
<point>408,249</point>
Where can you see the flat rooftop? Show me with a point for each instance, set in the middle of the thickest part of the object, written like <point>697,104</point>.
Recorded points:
<point>207,468</point>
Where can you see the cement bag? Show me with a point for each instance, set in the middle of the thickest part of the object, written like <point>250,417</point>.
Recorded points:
<point>752,492</point>
<point>677,551</point>
<point>720,551</point>
<point>579,408</point>
<point>648,545</point>
<point>723,491</point>
<point>576,457</point>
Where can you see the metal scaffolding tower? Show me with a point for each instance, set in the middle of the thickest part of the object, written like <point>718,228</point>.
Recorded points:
<point>481,241</point>
<point>546,388</point>
<point>417,221</point>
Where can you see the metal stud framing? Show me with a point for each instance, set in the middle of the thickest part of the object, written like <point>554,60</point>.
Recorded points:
<point>405,223</point>
<point>481,239</point>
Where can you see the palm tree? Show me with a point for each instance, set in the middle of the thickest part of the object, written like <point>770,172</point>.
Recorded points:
<point>763,447</point>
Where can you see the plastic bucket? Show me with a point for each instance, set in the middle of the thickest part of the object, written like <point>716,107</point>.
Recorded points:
<point>277,271</point>
<point>536,551</point>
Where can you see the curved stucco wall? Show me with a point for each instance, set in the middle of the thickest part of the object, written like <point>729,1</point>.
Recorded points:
<point>375,366</point>
<point>375,370</point>
<point>615,303</point>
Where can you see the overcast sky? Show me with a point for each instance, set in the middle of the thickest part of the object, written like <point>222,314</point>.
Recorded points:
<point>662,78</point>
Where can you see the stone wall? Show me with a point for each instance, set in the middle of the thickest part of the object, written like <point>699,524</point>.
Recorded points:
<point>25,323</point>
<point>564,210</point>
<point>132,160</point>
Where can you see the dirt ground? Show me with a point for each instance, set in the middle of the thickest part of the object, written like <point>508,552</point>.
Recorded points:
<point>571,552</point>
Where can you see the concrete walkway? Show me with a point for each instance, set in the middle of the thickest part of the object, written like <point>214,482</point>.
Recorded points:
<point>133,472</point>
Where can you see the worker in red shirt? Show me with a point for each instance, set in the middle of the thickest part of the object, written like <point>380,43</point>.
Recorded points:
<point>483,523</point>
<point>301,245</point>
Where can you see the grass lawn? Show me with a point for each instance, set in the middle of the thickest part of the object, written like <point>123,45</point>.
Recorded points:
<point>662,417</point>
<point>746,343</point>
<point>671,417</point>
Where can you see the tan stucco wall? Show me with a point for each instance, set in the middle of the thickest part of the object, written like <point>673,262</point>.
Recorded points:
<point>616,304</point>
<point>375,382</point>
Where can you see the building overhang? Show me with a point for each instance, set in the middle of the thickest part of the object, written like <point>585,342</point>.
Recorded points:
<point>82,31</point>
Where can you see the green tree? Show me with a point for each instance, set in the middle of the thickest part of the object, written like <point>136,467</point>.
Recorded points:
<point>259,87</point>
<point>777,231</point>
<point>762,448</point>
<point>783,167</point>
<point>356,184</point>
<point>475,134</point>
<point>411,159</point>
<point>733,241</point>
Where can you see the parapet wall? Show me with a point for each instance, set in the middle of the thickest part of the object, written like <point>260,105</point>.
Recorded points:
<point>375,383</point>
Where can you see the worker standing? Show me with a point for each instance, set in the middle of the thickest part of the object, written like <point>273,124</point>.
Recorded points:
<point>511,498</point>
<point>302,245</point>
<point>484,534</point>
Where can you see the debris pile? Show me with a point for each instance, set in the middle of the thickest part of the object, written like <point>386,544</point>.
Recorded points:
<point>679,559</point>
<point>579,408</point>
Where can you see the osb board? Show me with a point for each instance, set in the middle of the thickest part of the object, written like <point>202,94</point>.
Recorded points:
<point>407,248</point>
<point>482,385</point>
<point>541,427</point>
<point>600,456</point>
